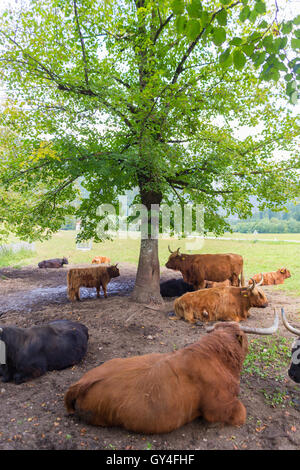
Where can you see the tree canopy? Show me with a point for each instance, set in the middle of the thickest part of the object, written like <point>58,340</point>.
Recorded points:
<point>147,94</point>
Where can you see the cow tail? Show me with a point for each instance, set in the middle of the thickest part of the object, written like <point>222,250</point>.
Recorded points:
<point>242,278</point>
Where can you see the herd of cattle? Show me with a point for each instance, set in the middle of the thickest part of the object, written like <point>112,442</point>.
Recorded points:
<point>156,393</point>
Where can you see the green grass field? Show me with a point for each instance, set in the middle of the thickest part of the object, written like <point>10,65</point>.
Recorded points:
<point>259,256</point>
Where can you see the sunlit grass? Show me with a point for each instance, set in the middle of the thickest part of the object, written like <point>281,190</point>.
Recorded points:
<point>259,256</point>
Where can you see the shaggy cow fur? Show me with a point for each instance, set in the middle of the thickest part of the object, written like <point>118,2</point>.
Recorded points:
<point>53,263</point>
<point>197,269</point>
<point>94,276</point>
<point>210,284</point>
<point>274,277</point>
<point>30,352</point>
<point>157,393</point>
<point>100,260</point>
<point>174,288</point>
<point>219,303</point>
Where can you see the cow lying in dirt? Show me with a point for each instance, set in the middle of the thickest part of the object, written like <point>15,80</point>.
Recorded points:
<point>274,277</point>
<point>100,260</point>
<point>95,276</point>
<point>53,263</point>
<point>157,393</point>
<point>174,288</point>
<point>294,370</point>
<point>210,284</point>
<point>219,303</point>
<point>30,352</point>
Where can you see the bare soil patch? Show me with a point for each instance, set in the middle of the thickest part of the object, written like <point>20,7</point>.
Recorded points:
<point>33,414</point>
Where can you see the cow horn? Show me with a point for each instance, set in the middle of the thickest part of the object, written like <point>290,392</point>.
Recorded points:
<point>170,249</point>
<point>287,325</point>
<point>261,281</point>
<point>263,331</point>
<point>256,331</point>
<point>251,286</point>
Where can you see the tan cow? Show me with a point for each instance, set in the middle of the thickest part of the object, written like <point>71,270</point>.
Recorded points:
<point>94,276</point>
<point>101,260</point>
<point>157,393</point>
<point>197,269</point>
<point>210,284</point>
<point>219,303</point>
<point>274,277</point>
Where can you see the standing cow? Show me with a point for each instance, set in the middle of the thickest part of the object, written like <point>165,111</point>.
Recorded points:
<point>157,393</point>
<point>30,352</point>
<point>294,370</point>
<point>197,269</point>
<point>94,276</point>
<point>219,303</point>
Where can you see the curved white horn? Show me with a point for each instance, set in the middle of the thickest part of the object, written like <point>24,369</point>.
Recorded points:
<point>251,286</point>
<point>170,249</point>
<point>257,331</point>
<point>287,325</point>
<point>261,281</point>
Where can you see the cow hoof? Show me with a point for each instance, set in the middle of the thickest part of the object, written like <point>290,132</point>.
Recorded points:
<point>199,323</point>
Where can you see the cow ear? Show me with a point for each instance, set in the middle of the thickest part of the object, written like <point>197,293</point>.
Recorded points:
<point>283,271</point>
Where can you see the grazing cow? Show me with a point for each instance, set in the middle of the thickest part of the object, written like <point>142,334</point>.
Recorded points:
<point>30,352</point>
<point>209,284</point>
<point>219,303</point>
<point>100,260</point>
<point>274,277</point>
<point>174,288</point>
<point>294,370</point>
<point>95,276</point>
<point>196,269</point>
<point>53,263</point>
<point>157,393</point>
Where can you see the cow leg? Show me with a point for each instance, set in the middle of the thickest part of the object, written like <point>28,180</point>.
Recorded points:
<point>233,412</point>
<point>104,290</point>
<point>98,291</point>
<point>77,295</point>
<point>200,285</point>
<point>235,280</point>
<point>189,316</point>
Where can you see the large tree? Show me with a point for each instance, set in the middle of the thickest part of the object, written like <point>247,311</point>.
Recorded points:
<point>147,94</point>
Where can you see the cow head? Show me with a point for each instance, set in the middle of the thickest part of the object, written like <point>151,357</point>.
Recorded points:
<point>175,260</point>
<point>294,370</point>
<point>284,273</point>
<point>65,261</point>
<point>113,271</point>
<point>255,294</point>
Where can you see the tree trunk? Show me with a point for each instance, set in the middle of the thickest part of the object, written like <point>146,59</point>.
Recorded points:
<point>147,285</point>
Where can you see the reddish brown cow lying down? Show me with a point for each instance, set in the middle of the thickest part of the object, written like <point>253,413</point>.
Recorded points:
<point>274,277</point>
<point>157,393</point>
<point>219,303</point>
<point>209,284</point>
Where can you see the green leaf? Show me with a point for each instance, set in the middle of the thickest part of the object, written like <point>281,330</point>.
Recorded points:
<point>193,29</point>
<point>286,28</point>
<point>295,43</point>
<point>297,33</point>
<point>180,24</point>
<point>248,49</point>
<point>225,2</point>
<point>259,58</point>
<point>245,13</point>
<point>288,77</point>
<point>236,41</point>
<point>177,7</point>
<point>224,56</point>
<point>222,18</point>
<point>296,20</point>
<point>194,9</point>
<point>219,36</point>
<point>263,25</point>
<point>239,59</point>
<point>260,7</point>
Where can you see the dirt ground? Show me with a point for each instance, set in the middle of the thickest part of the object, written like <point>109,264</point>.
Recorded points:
<point>33,414</point>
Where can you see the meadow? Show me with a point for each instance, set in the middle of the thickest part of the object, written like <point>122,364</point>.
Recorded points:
<point>259,255</point>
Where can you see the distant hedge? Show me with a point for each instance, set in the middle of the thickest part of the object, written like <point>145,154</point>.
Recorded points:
<point>273,225</point>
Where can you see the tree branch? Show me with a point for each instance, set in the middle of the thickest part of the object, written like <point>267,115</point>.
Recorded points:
<point>82,44</point>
